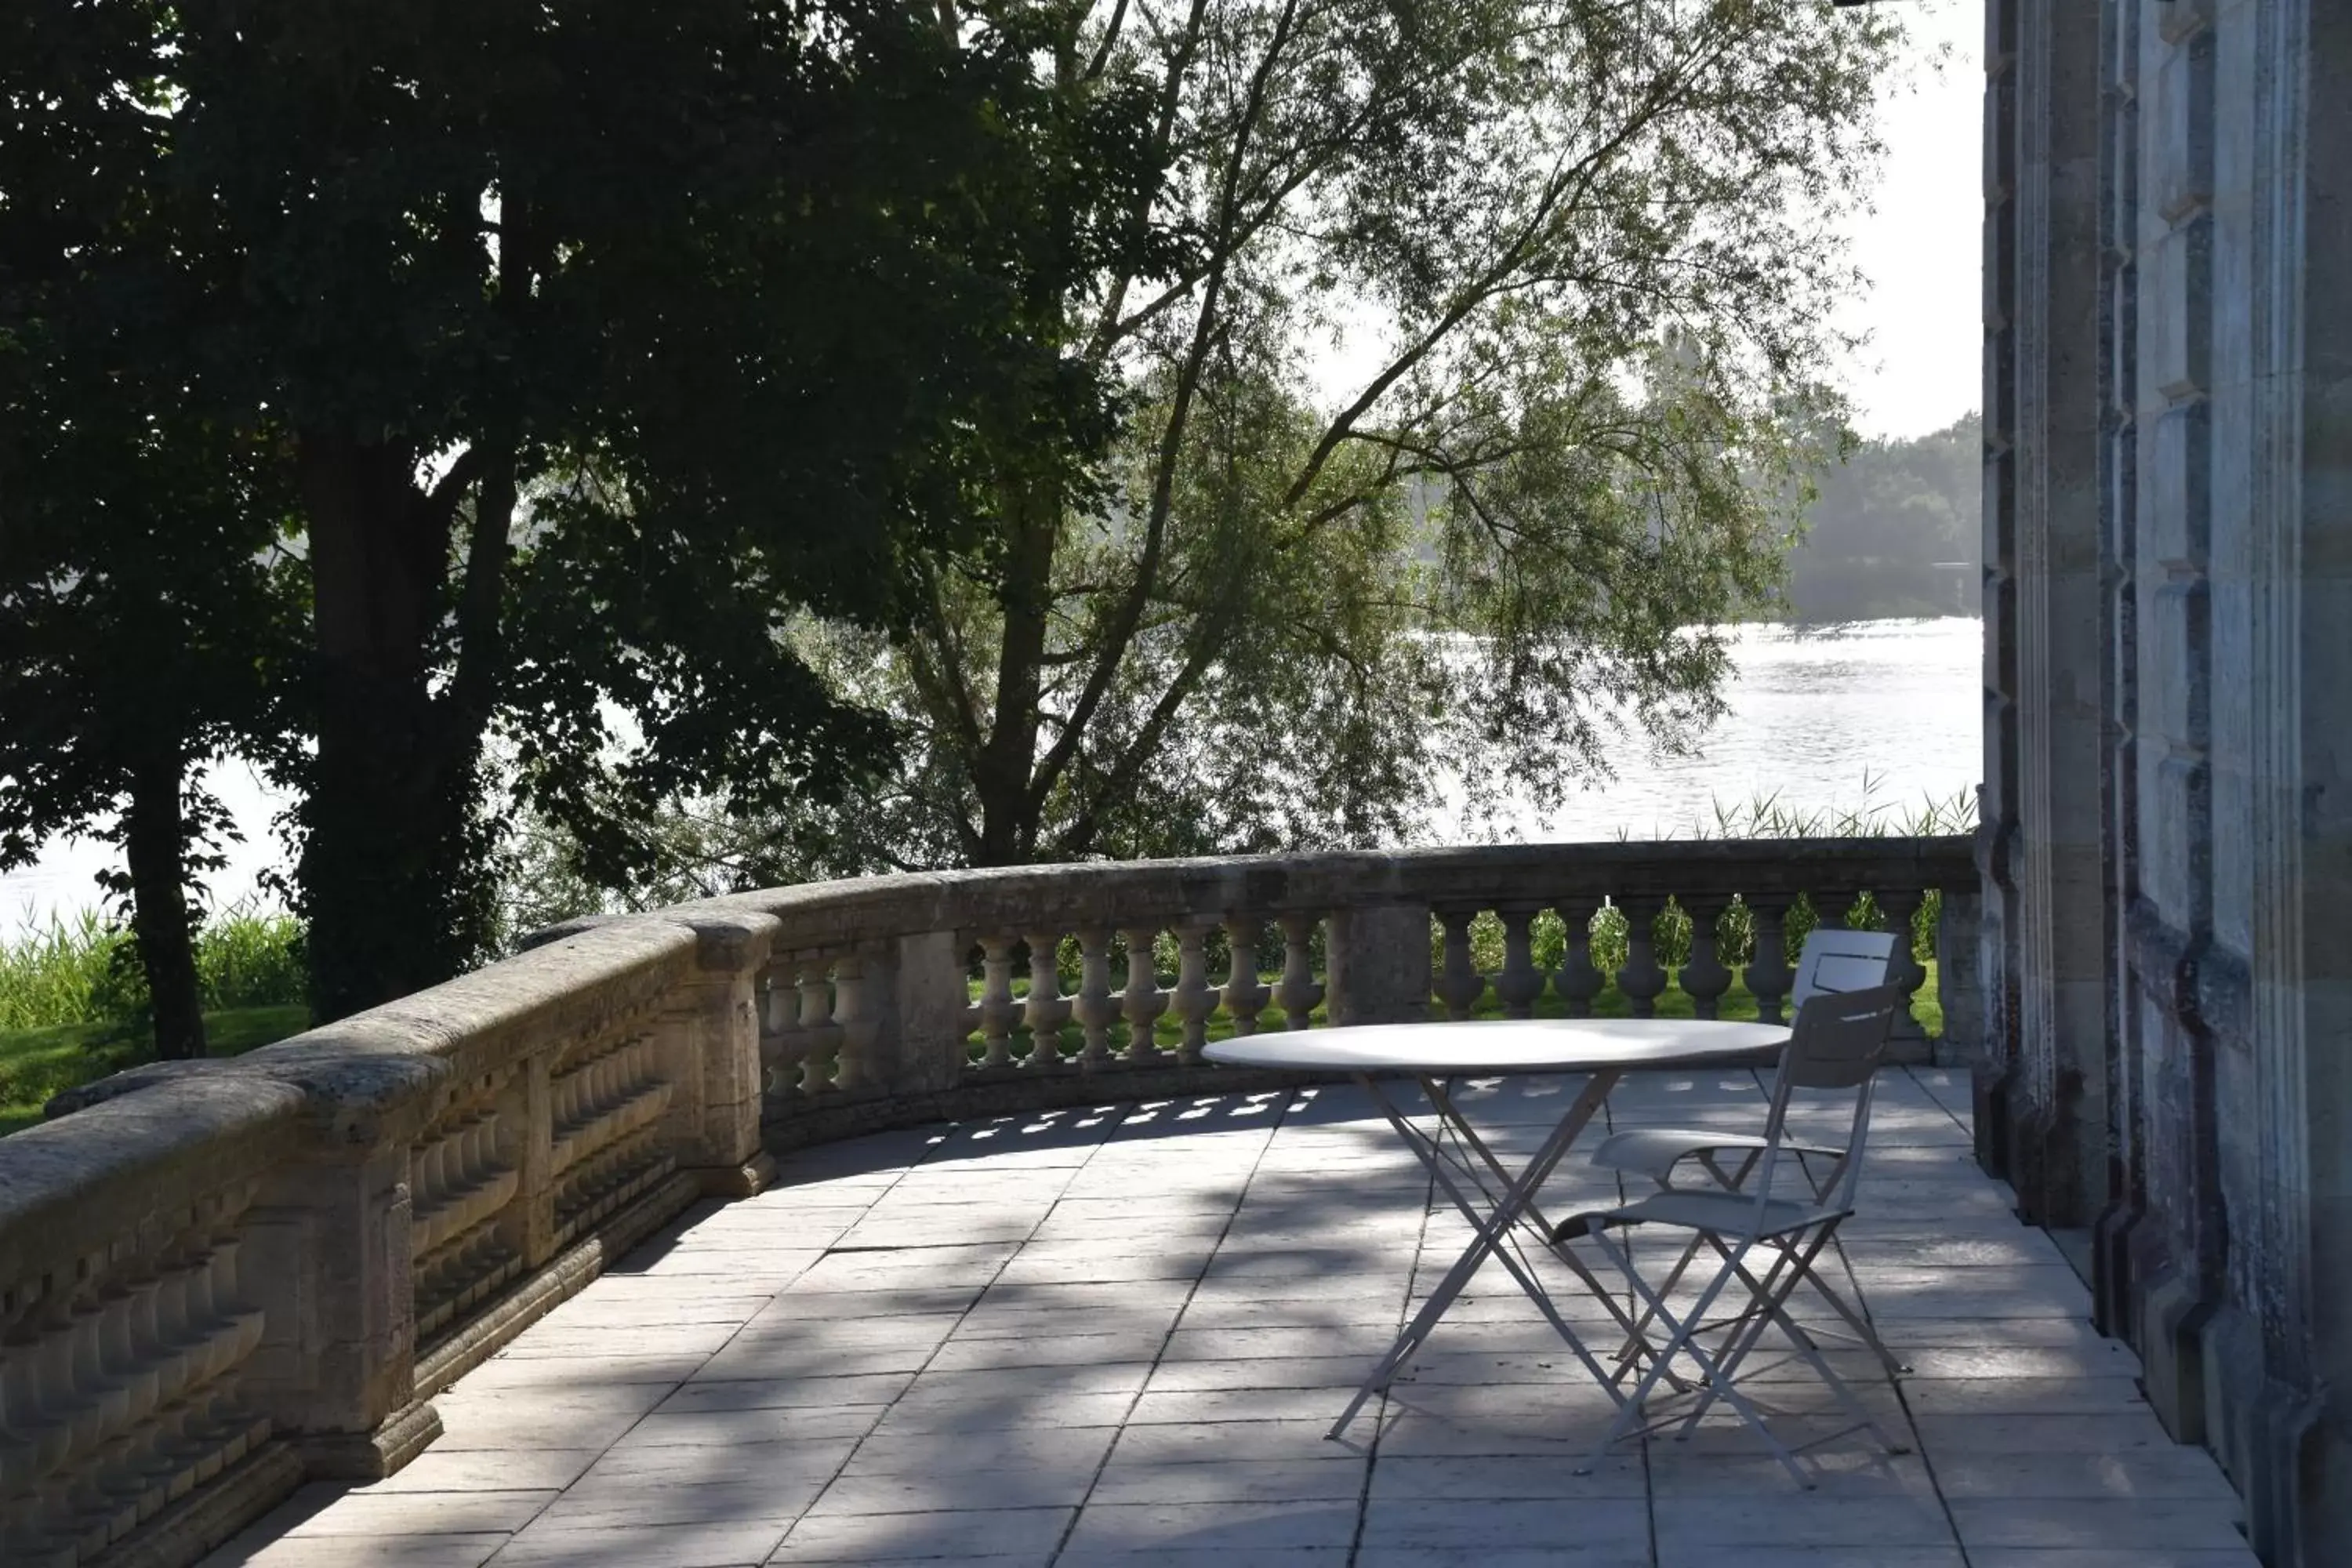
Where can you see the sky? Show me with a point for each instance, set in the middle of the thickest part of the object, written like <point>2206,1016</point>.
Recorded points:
<point>1919,245</point>
<point>1922,246</point>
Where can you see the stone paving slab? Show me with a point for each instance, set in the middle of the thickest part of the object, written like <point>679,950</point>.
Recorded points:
<point>1116,1335</point>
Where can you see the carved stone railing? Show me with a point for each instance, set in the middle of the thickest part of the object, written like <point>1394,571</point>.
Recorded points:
<point>217,1279</point>
<point>962,991</point>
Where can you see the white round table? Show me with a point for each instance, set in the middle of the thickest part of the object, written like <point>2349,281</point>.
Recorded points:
<point>1501,1046</point>
<point>1496,1199</point>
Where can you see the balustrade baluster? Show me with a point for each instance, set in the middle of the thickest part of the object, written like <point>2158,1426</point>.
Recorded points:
<point>1900,906</point>
<point>1521,983</point>
<point>32,1415</point>
<point>1298,993</point>
<point>1459,984</point>
<point>1194,998</point>
<point>780,1036</point>
<point>818,1063</point>
<point>1047,1009</point>
<point>68,1373</point>
<point>1095,1009</point>
<point>1142,1001</point>
<point>998,1009</point>
<point>1641,980</point>
<point>105,1402</point>
<point>182,1349</point>
<point>1244,997</point>
<point>119,1348</point>
<point>476,1144</point>
<point>780,1011</point>
<point>1768,973</point>
<point>1577,981</point>
<point>853,1014</point>
<point>208,1321</point>
<point>1704,978</point>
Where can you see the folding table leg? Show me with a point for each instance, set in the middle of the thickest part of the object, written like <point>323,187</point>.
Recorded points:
<point>1636,1341</point>
<point>1492,1229</point>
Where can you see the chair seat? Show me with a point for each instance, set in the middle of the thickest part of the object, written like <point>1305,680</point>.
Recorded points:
<point>1724,1213</point>
<point>1656,1150</point>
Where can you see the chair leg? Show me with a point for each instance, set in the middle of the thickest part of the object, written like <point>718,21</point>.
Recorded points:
<point>1772,1293</point>
<point>1729,1181</point>
<point>1681,1342</point>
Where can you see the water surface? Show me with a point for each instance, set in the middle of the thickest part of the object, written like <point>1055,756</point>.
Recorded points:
<point>1817,720</point>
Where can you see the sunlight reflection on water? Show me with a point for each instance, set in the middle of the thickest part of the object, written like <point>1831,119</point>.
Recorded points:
<point>1812,715</point>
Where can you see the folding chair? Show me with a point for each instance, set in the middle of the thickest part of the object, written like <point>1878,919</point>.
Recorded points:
<point>1836,1045</point>
<point>1834,961</point>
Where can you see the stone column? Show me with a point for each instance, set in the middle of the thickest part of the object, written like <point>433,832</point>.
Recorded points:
<point>326,1257</point>
<point>1379,965</point>
<point>1960,982</point>
<point>708,1037</point>
<point>2047,907</point>
<point>929,1034</point>
<point>2298,399</point>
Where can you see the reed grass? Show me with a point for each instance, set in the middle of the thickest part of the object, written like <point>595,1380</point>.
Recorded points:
<point>85,971</point>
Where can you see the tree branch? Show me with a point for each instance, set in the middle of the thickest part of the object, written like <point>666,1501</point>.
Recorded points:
<point>1121,631</point>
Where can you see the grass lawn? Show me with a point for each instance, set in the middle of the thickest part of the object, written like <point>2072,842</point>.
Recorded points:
<point>38,1063</point>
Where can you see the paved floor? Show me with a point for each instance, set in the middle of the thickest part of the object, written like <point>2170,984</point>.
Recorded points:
<point>1120,1334</point>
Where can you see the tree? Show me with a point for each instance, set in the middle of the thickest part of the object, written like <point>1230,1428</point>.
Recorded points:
<point>1483,393</point>
<point>1895,531</point>
<point>146,608</point>
<point>599,337</point>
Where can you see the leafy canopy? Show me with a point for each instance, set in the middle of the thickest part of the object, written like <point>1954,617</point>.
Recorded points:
<point>586,345</point>
<point>1476,391</point>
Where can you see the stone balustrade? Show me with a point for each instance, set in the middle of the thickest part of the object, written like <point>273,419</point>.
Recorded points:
<point>218,1279</point>
<point>951,992</point>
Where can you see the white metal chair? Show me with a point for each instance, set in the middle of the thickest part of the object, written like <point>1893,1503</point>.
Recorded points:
<point>1836,1045</point>
<point>1832,961</point>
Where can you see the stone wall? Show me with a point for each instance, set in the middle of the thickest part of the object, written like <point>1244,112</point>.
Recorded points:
<point>2168,389</point>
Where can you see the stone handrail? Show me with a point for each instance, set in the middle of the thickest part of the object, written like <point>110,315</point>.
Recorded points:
<point>868,1015</point>
<point>218,1279</point>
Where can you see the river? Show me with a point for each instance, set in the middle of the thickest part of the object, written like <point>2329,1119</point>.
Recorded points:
<point>1877,715</point>
<point>1882,714</point>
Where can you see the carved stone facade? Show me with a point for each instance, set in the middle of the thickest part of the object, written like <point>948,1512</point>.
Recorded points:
<point>2167,847</point>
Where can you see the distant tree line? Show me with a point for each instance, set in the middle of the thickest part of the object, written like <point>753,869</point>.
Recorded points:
<point>635,448</point>
<point>1896,530</point>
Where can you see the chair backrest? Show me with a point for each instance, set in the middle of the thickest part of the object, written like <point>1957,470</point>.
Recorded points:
<point>1838,1036</point>
<point>1836,959</point>
<point>1836,1043</point>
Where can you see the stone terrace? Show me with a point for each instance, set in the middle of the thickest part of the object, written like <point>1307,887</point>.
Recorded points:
<point>1120,1334</point>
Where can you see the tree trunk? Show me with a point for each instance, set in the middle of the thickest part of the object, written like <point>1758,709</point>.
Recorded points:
<point>155,842</point>
<point>1005,779</point>
<point>391,870</point>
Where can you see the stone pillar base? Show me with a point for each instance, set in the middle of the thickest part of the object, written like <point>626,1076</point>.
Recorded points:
<point>748,1179</point>
<point>2173,1319</point>
<point>368,1455</point>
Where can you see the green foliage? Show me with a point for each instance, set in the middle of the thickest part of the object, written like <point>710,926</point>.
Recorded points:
<point>1896,530</point>
<point>60,973</point>
<point>1762,817</point>
<point>77,973</point>
<point>1578,250</point>
<point>582,345</point>
<point>146,608</point>
<point>251,960</point>
<point>38,1064</point>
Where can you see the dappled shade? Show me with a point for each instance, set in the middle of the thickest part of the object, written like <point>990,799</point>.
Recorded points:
<point>1081,1335</point>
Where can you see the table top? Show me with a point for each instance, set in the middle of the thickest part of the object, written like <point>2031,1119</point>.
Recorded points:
<point>1513,1046</point>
